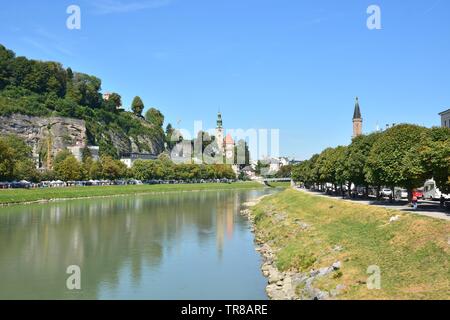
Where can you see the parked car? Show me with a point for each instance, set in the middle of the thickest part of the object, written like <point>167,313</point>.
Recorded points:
<point>418,194</point>
<point>401,194</point>
<point>385,192</point>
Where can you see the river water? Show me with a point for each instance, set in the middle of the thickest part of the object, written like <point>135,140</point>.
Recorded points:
<point>191,245</point>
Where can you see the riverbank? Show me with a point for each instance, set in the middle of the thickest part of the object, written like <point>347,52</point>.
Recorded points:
<point>318,248</point>
<point>17,196</point>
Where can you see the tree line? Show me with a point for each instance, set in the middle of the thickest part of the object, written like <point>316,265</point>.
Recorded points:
<point>403,156</point>
<point>16,164</point>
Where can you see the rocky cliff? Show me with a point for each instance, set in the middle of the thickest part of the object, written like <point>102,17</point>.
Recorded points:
<point>38,132</point>
<point>67,132</point>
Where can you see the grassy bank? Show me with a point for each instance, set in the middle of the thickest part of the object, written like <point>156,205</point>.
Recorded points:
<point>312,232</point>
<point>280,184</point>
<point>12,196</point>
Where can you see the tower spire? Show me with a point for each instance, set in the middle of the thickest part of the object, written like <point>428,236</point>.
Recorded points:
<point>357,120</point>
<point>357,113</point>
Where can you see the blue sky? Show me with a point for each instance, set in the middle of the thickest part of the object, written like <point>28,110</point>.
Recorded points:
<point>296,65</point>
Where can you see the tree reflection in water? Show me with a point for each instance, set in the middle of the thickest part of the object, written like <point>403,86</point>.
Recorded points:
<point>121,244</point>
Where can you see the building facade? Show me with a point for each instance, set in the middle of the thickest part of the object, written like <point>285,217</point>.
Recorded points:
<point>445,118</point>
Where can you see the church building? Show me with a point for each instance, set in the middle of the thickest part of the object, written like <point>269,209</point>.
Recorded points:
<point>225,144</point>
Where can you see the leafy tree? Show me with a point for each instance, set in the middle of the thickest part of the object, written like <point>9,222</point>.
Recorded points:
<point>262,167</point>
<point>61,156</point>
<point>96,170</point>
<point>6,57</point>
<point>112,169</point>
<point>357,155</point>
<point>154,117</point>
<point>284,172</point>
<point>16,160</point>
<point>116,99</point>
<point>169,131</point>
<point>395,159</point>
<point>137,106</point>
<point>6,161</point>
<point>68,169</point>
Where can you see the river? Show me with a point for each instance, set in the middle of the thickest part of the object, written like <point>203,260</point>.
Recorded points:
<point>190,245</point>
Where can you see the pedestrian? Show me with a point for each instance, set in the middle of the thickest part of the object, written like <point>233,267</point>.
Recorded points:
<point>414,201</point>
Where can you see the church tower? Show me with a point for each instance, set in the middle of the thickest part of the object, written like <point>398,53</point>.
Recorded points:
<point>357,120</point>
<point>220,132</point>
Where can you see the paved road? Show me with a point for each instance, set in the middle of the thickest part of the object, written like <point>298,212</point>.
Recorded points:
<point>425,208</point>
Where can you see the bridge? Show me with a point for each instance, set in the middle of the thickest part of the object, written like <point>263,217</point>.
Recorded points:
<point>267,181</point>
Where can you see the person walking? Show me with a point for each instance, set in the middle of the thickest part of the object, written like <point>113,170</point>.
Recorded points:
<point>414,201</point>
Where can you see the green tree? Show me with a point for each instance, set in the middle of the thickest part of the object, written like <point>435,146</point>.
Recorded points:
<point>96,170</point>
<point>6,161</point>
<point>116,99</point>
<point>16,160</point>
<point>112,169</point>
<point>357,155</point>
<point>284,172</point>
<point>155,117</point>
<point>61,156</point>
<point>68,169</point>
<point>137,106</point>
<point>395,159</point>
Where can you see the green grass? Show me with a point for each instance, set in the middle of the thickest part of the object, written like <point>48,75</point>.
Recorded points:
<point>12,196</point>
<point>280,184</point>
<point>412,253</point>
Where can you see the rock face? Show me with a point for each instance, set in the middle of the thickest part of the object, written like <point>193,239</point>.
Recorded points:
<point>68,132</point>
<point>36,131</point>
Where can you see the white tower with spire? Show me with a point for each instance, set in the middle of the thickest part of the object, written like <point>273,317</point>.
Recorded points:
<point>220,132</point>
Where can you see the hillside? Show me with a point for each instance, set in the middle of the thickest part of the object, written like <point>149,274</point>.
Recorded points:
<point>36,95</point>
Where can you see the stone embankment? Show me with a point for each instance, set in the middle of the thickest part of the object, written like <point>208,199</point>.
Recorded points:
<point>288,285</point>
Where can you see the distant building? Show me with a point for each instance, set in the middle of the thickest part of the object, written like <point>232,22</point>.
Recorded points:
<point>357,120</point>
<point>106,96</point>
<point>294,162</point>
<point>445,118</point>
<point>226,145</point>
<point>77,152</point>
<point>129,158</point>
<point>229,148</point>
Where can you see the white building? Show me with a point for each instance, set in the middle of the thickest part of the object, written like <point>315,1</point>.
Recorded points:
<point>129,158</point>
<point>445,118</point>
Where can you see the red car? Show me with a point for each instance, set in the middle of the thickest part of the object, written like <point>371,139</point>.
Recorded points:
<point>418,194</point>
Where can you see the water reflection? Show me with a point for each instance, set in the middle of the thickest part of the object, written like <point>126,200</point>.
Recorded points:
<point>173,246</point>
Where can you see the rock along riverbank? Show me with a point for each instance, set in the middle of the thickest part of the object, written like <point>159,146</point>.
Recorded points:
<point>289,285</point>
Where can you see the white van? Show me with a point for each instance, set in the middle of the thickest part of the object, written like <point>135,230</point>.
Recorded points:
<point>431,192</point>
